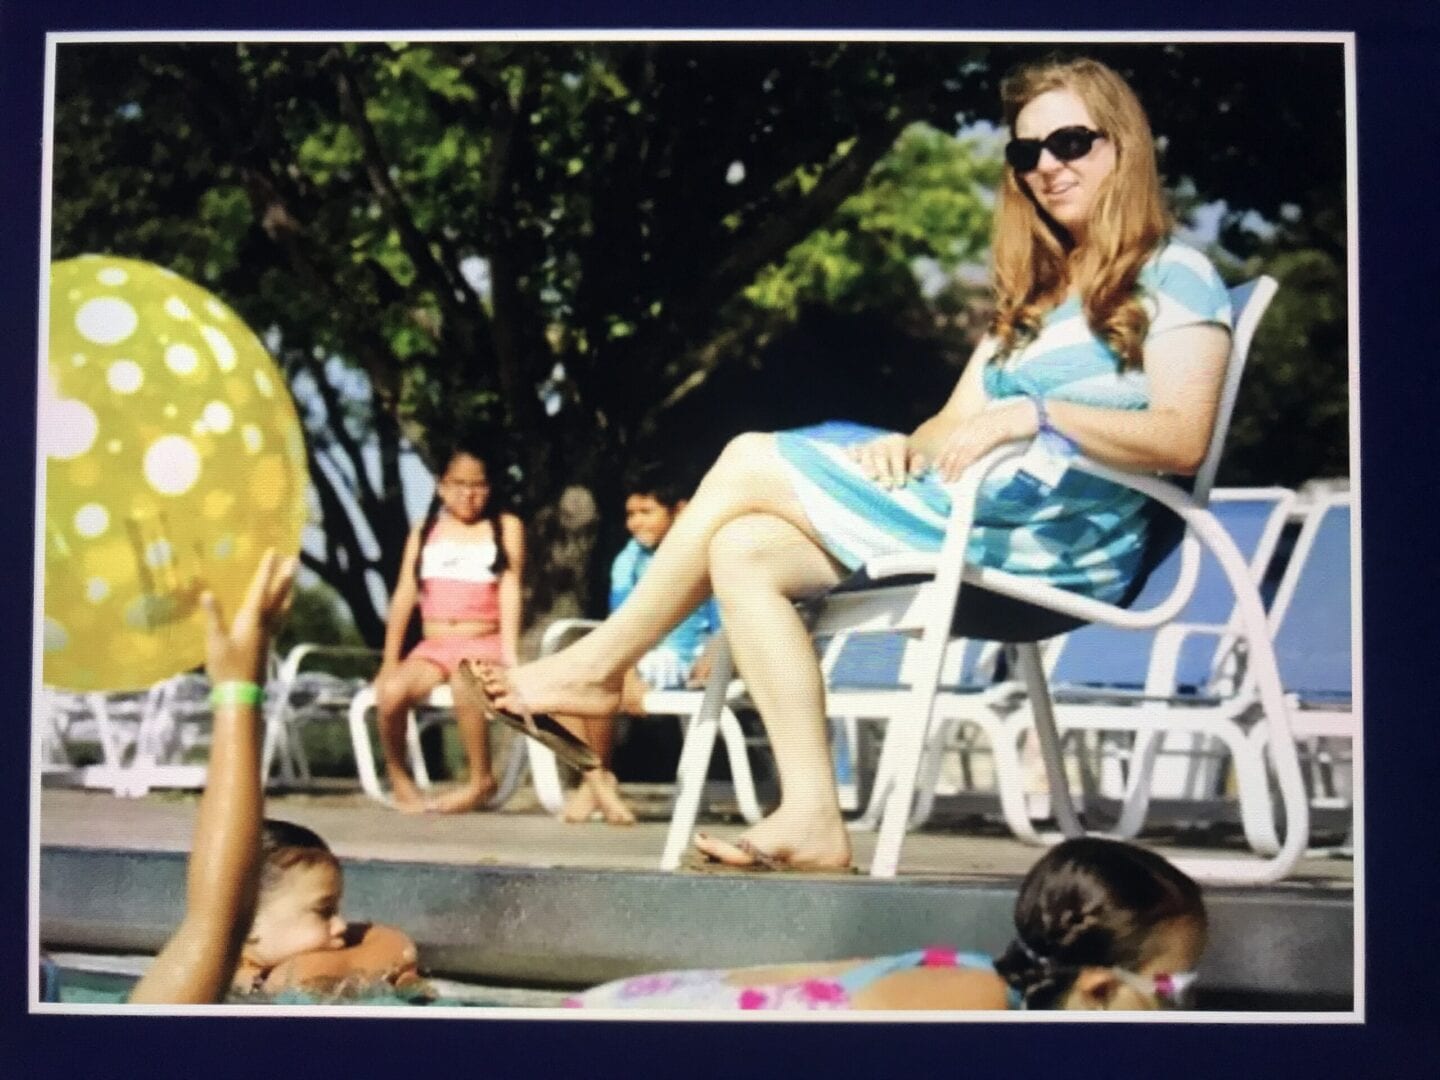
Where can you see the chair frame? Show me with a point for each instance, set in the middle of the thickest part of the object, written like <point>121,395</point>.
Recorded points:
<point>1154,712</point>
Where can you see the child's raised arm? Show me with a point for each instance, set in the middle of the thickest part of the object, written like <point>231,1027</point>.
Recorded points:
<point>197,963</point>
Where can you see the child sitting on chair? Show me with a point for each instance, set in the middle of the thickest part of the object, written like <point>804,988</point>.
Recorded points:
<point>652,503</point>
<point>461,567</point>
<point>1099,925</point>
<point>299,940</point>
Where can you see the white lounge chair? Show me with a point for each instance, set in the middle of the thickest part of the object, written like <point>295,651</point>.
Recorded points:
<point>298,697</point>
<point>1314,633</point>
<point>1172,682</point>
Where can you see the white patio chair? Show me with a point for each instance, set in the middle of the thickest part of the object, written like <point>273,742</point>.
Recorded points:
<point>298,697</point>
<point>1311,623</point>
<point>951,598</point>
<point>143,737</point>
<point>695,753</point>
<point>1174,681</point>
<point>65,720</point>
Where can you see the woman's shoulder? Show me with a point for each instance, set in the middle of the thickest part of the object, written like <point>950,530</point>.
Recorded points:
<point>1183,286</point>
<point>1172,257</point>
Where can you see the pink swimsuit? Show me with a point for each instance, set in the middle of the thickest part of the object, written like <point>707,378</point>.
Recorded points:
<point>712,989</point>
<point>458,584</point>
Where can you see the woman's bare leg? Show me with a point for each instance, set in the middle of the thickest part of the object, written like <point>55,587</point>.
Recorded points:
<point>586,678</point>
<point>758,564</point>
<point>396,694</point>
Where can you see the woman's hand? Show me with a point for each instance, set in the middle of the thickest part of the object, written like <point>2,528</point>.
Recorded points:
<point>238,654</point>
<point>981,433</point>
<point>889,460</point>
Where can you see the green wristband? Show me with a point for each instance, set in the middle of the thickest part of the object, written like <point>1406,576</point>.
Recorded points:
<point>235,693</point>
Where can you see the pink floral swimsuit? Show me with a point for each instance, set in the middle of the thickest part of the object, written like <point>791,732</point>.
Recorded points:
<point>711,989</point>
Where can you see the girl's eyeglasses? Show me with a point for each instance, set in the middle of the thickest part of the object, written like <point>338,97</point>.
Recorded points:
<point>1064,144</point>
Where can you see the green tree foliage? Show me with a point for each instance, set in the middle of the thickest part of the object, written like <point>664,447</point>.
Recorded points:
<point>589,245</point>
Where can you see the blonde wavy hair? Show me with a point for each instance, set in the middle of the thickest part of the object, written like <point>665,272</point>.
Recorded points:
<point>1036,260</point>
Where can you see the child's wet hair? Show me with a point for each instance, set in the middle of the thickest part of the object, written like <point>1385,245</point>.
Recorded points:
<point>657,481</point>
<point>284,846</point>
<point>1092,902</point>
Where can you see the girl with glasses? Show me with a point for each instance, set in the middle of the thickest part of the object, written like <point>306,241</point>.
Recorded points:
<point>461,568</point>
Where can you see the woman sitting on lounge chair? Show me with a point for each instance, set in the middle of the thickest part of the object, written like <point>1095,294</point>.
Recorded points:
<point>1108,336</point>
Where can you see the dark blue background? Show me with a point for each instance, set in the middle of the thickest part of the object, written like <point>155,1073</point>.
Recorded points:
<point>1397,45</point>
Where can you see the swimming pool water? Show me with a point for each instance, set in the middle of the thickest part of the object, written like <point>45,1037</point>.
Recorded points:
<point>85,985</point>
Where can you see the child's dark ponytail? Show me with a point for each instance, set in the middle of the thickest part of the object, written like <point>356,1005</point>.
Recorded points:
<point>1090,902</point>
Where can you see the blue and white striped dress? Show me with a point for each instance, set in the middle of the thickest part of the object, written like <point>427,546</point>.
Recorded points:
<point>1088,534</point>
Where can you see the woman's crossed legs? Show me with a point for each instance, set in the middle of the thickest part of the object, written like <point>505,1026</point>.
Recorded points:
<point>746,536</point>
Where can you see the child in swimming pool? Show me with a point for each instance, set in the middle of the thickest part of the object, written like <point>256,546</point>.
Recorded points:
<point>197,963</point>
<point>1099,925</point>
<point>462,568</point>
<point>298,939</point>
<point>652,503</point>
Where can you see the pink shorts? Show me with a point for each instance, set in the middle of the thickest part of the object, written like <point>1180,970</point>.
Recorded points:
<point>447,652</point>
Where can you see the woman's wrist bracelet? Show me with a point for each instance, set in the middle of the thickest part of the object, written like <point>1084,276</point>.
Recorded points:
<point>1047,432</point>
<point>235,693</point>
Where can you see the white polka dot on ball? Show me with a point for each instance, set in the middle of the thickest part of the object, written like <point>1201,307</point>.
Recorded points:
<point>112,275</point>
<point>176,308</point>
<point>224,547</point>
<point>181,359</point>
<point>252,438</point>
<point>91,520</point>
<point>172,465</point>
<point>219,345</point>
<point>106,320</point>
<point>124,376</point>
<point>56,637</point>
<point>214,307</point>
<point>264,385</point>
<point>96,590</point>
<point>218,417</point>
<point>70,428</point>
<point>159,553</point>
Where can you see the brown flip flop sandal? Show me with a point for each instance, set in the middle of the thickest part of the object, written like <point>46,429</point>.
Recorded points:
<point>761,862</point>
<point>538,726</point>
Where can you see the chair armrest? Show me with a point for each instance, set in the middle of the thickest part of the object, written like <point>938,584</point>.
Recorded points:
<point>1165,657</point>
<point>290,666</point>
<point>950,563</point>
<point>563,632</point>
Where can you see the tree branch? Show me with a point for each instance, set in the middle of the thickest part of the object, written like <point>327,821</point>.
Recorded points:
<point>782,230</point>
<point>442,281</point>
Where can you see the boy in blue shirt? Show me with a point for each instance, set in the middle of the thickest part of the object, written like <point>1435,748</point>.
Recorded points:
<point>652,503</point>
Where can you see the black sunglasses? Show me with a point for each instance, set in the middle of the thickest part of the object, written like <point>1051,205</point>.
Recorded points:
<point>1064,144</point>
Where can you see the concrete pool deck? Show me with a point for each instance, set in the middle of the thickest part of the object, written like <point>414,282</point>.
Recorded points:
<point>515,896</point>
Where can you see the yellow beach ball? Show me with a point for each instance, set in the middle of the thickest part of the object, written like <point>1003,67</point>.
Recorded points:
<point>173,458</point>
